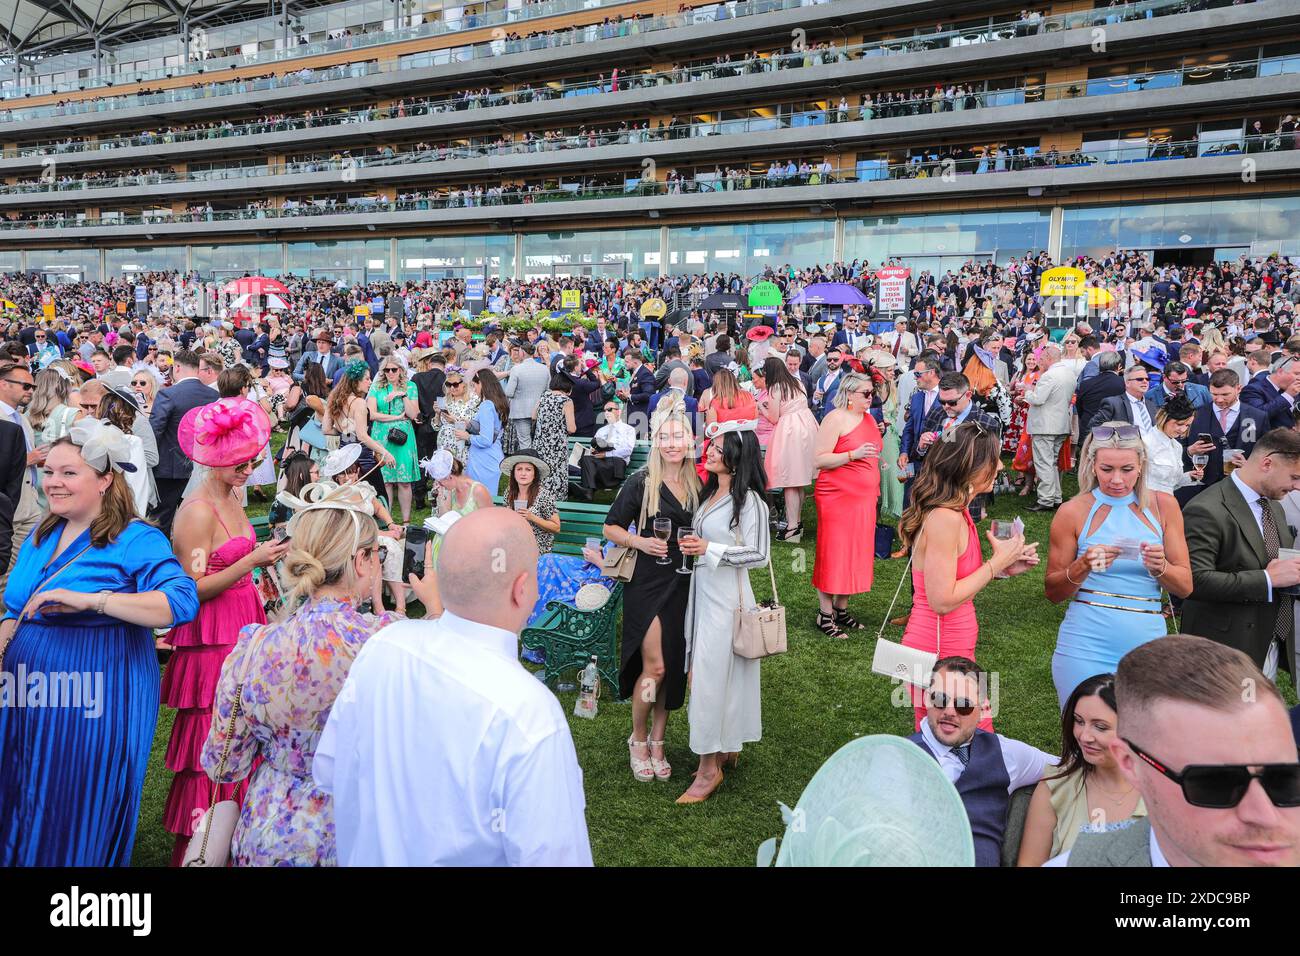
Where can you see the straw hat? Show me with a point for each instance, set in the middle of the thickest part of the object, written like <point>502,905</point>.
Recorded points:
<point>526,457</point>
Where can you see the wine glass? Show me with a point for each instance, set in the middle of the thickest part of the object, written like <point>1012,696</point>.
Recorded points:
<point>1200,461</point>
<point>682,534</point>
<point>663,531</point>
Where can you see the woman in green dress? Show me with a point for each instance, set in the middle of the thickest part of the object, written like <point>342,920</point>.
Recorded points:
<point>394,406</point>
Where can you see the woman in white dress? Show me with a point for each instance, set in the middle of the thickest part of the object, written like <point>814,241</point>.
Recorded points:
<point>731,536</point>
<point>1165,448</point>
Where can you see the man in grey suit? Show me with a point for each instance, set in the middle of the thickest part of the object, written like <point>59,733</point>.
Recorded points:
<point>1133,406</point>
<point>1197,721</point>
<point>322,355</point>
<point>169,407</point>
<point>524,386</point>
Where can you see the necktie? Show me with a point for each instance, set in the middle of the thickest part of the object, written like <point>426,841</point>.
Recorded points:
<point>1272,544</point>
<point>898,340</point>
<point>963,754</point>
<point>1223,420</point>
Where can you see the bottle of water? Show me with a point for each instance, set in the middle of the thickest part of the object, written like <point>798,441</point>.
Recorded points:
<point>589,690</point>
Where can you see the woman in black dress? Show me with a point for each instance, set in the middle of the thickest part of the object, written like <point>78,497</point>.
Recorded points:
<point>653,669</point>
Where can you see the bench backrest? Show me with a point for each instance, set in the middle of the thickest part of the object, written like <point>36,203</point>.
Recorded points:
<point>578,522</point>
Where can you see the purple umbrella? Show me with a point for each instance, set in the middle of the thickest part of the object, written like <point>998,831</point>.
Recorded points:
<point>830,293</point>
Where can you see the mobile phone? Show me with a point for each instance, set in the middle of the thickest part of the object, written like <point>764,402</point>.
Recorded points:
<point>415,539</point>
<point>280,533</point>
<point>442,402</point>
<point>1205,436</point>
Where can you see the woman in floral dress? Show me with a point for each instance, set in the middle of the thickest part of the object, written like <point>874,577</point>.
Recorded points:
<point>462,404</point>
<point>551,430</point>
<point>291,673</point>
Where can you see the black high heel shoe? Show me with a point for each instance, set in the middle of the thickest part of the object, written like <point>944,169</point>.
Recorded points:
<point>846,620</point>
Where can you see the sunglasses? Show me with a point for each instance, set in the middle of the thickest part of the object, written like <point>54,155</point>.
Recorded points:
<point>455,384</point>
<point>1223,786</point>
<point>1122,432</point>
<point>250,465</point>
<point>940,701</point>
<point>951,402</point>
<point>26,386</point>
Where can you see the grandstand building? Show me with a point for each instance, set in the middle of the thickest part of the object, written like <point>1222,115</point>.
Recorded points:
<point>414,139</point>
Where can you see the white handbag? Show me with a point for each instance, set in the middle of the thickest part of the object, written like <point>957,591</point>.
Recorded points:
<point>210,843</point>
<point>908,664</point>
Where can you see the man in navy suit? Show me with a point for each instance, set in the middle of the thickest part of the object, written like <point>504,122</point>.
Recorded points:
<point>827,385</point>
<point>1272,392</point>
<point>638,391</point>
<point>13,465</point>
<point>173,471</point>
<point>1132,406</point>
<point>923,400</point>
<point>1229,422</point>
<point>1107,383</point>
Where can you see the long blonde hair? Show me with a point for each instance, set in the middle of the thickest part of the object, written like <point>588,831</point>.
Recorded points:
<point>657,467</point>
<point>324,544</point>
<point>1088,463</point>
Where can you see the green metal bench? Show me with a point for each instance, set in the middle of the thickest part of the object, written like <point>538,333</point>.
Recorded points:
<point>640,456</point>
<point>567,636</point>
<point>262,527</point>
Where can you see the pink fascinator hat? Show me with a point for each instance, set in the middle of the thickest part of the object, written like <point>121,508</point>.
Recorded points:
<point>228,432</point>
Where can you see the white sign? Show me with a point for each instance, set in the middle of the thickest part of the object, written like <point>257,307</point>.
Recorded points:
<point>892,285</point>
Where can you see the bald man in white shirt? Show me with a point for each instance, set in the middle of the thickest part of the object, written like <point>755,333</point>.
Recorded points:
<point>441,749</point>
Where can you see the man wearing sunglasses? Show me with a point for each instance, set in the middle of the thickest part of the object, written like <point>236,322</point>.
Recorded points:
<point>984,767</point>
<point>16,390</point>
<point>1207,741</point>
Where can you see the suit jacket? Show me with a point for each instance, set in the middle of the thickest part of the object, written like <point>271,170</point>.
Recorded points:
<point>525,385</point>
<point>935,420</point>
<point>1229,601</point>
<point>639,390</point>
<point>13,468</point>
<point>1126,847</point>
<point>1118,408</point>
<point>914,423</point>
<point>169,406</point>
<point>1198,395</point>
<point>333,365</point>
<point>428,389</point>
<point>1207,422</point>
<point>1262,394</point>
<point>1092,392</point>
<point>1049,401</point>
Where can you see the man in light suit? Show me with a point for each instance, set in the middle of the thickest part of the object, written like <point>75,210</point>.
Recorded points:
<point>1133,406</point>
<point>1049,423</point>
<point>901,343</point>
<point>329,362</point>
<point>1234,531</point>
<point>524,386</point>
<point>169,407</point>
<point>16,389</point>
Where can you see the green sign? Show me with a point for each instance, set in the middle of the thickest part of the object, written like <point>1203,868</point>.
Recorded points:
<point>765,295</point>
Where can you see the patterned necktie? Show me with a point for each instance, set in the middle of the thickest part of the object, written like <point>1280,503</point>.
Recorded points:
<point>1272,544</point>
<point>963,754</point>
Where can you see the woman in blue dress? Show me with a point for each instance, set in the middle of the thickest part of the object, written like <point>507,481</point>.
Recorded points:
<point>484,433</point>
<point>89,587</point>
<point>1115,546</point>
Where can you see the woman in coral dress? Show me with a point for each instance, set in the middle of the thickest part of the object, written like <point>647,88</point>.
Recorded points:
<point>948,567</point>
<point>724,401</point>
<point>790,451</point>
<point>215,543</point>
<point>847,489</point>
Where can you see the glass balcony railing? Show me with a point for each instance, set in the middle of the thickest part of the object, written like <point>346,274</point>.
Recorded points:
<point>832,115</point>
<point>1147,9</point>
<point>933,165</point>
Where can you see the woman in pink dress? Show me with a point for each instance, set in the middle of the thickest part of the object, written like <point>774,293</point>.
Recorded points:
<point>847,489</point>
<point>791,449</point>
<point>948,568</point>
<point>723,401</point>
<point>215,543</point>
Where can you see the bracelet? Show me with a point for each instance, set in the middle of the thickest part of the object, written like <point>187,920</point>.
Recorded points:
<point>103,599</point>
<point>1077,584</point>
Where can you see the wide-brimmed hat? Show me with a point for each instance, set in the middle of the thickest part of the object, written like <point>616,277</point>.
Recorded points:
<point>277,361</point>
<point>529,457</point>
<point>881,358</point>
<point>323,336</point>
<point>419,355</point>
<point>125,394</point>
<point>229,431</point>
<point>340,460</point>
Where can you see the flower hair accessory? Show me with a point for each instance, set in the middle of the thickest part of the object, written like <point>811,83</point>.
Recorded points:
<point>356,370</point>
<point>102,445</point>
<point>437,466</point>
<point>717,429</point>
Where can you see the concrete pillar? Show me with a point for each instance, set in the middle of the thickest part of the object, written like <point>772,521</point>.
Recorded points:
<point>394,267</point>
<point>663,250</point>
<point>1055,233</point>
<point>839,240</point>
<point>519,255</point>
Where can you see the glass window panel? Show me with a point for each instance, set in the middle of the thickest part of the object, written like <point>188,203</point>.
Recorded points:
<point>119,262</point>
<point>438,257</point>
<point>71,265</point>
<point>231,261</point>
<point>613,253</point>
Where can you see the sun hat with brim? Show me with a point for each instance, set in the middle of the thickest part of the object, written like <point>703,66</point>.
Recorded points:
<point>229,431</point>
<point>421,354</point>
<point>526,457</point>
<point>125,395</point>
<point>323,336</point>
<point>340,460</point>
<point>276,362</point>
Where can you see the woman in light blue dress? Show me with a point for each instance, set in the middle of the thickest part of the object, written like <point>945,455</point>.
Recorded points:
<point>1115,546</point>
<point>485,432</point>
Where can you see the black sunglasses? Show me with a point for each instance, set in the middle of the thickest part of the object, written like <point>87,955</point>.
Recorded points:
<point>940,701</point>
<point>26,386</point>
<point>1223,786</point>
<point>1122,432</point>
<point>950,402</point>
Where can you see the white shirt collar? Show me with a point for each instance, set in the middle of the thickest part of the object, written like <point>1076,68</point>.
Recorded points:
<point>1250,494</point>
<point>495,639</point>
<point>7,410</point>
<point>1158,857</point>
<point>931,741</point>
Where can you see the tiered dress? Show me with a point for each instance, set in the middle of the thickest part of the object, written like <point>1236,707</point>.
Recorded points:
<point>190,685</point>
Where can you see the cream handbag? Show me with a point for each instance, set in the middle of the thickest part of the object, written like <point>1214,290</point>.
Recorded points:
<point>210,843</point>
<point>907,664</point>
<point>759,632</point>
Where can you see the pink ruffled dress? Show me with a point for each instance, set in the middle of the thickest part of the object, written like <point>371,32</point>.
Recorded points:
<point>190,686</point>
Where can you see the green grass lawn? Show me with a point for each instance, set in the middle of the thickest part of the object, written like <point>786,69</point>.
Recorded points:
<point>817,697</point>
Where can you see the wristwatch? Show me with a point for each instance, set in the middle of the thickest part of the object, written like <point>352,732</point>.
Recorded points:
<point>103,599</point>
